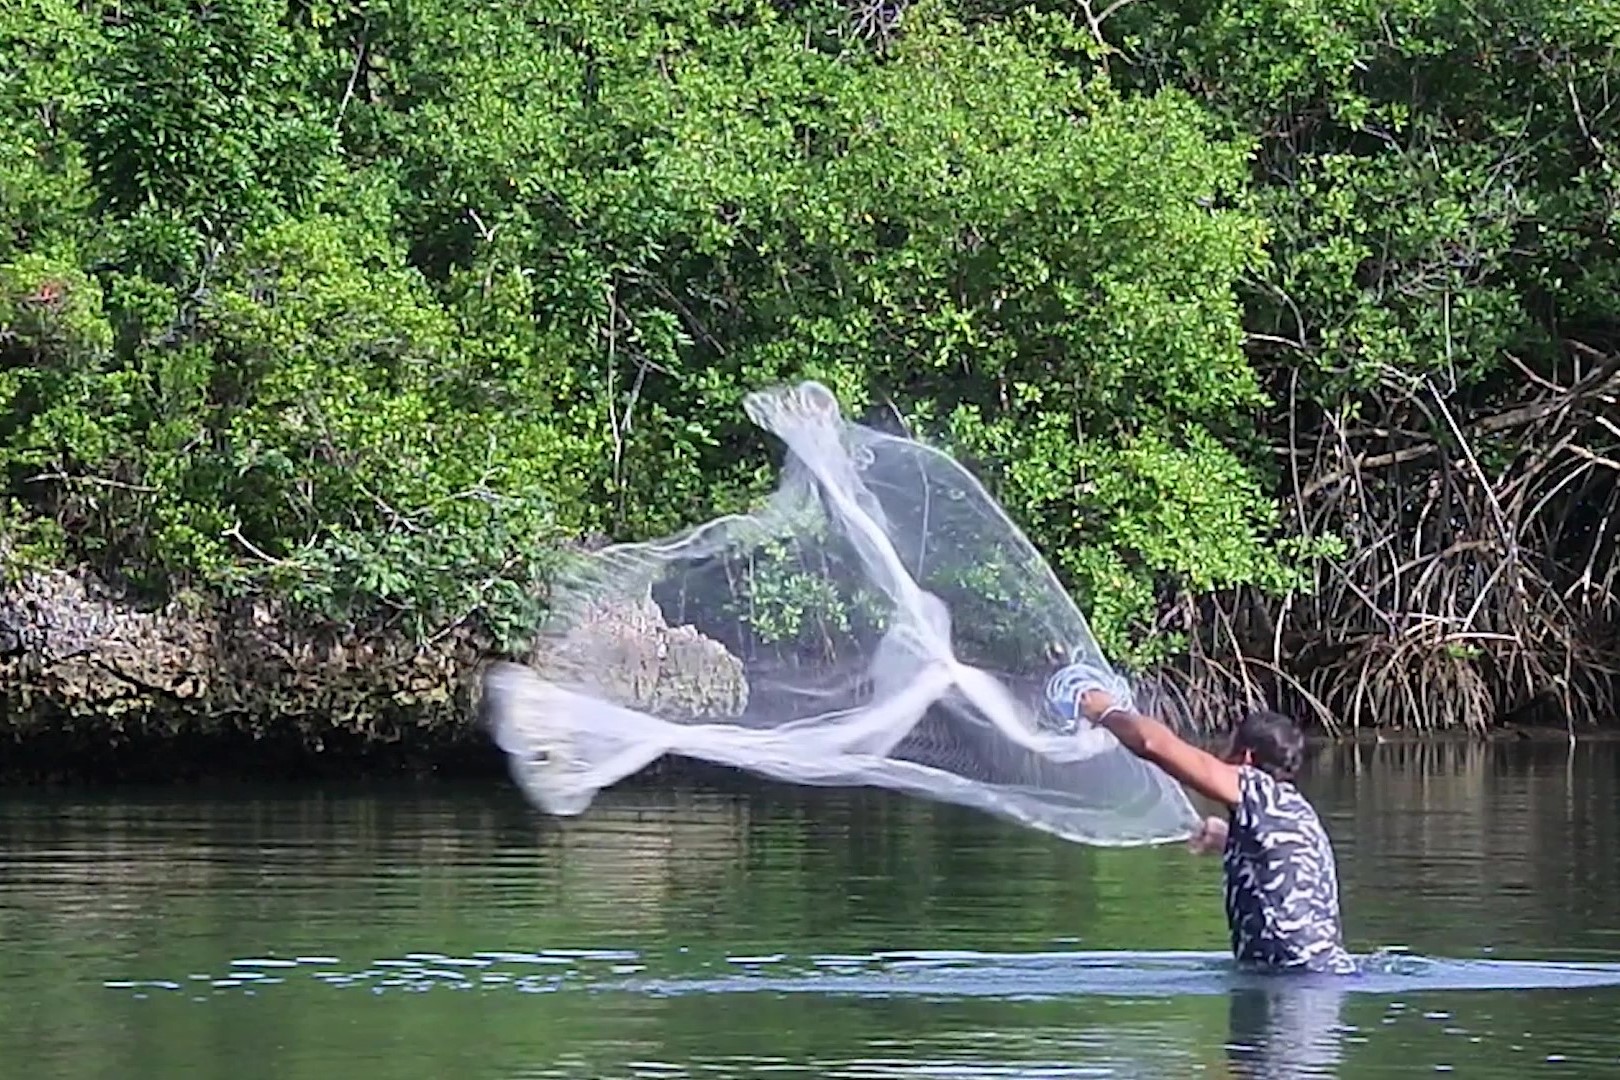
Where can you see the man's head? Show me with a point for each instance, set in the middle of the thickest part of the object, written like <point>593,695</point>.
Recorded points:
<point>1269,741</point>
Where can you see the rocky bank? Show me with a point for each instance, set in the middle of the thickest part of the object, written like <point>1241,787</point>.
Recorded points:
<point>94,684</point>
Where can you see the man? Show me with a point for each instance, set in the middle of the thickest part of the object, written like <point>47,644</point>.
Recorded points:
<point>1282,888</point>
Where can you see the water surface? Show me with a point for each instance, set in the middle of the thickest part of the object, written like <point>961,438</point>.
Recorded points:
<point>431,930</point>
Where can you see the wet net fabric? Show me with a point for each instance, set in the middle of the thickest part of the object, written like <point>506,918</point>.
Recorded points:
<point>878,621</point>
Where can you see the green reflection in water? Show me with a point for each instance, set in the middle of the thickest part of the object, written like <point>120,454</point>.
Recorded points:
<point>1450,850</point>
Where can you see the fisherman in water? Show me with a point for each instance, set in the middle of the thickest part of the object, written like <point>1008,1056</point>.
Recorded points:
<point>1282,888</point>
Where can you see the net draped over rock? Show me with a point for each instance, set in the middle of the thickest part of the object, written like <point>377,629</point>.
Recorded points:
<point>879,621</point>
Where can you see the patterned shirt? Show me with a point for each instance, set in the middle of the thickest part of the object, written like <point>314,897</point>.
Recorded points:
<point>1282,887</point>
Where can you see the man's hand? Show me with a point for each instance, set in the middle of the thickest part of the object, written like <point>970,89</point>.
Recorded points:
<point>1093,703</point>
<point>1210,838</point>
<point>1081,691</point>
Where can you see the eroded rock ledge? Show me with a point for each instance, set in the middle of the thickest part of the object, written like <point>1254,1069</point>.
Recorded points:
<point>627,652</point>
<point>198,686</point>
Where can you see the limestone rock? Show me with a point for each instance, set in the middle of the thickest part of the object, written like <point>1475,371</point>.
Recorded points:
<point>74,653</point>
<point>79,659</point>
<point>625,651</point>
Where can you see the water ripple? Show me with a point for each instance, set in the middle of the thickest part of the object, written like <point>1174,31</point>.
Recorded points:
<point>937,974</point>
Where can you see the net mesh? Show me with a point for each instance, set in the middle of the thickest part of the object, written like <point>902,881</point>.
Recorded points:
<point>878,621</point>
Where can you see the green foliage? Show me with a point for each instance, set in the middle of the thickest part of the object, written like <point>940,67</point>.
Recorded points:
<point>968,227</point>
<point>373,305</point>
<point>203,111</point>
<point>1438,175</point>
<point>49,50</point>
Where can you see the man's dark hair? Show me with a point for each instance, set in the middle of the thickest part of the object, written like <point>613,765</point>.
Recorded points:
<point>1274,740</point>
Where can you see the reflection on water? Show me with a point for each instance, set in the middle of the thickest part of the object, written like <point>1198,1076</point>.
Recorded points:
<point>418,930</point>
<point>1284,1031</point>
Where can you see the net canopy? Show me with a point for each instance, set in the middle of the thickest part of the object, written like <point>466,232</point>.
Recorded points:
<point>878,621</point>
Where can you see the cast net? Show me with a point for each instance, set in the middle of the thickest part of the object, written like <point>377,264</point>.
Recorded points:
<point>878,621</point>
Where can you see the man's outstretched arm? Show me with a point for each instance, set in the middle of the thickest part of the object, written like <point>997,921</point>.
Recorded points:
<point>1151,740</point>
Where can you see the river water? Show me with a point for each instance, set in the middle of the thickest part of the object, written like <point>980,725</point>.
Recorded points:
<point>436,930</point>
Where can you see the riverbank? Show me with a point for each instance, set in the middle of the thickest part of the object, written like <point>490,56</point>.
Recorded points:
<point>95,684</point>
<point>98,688</point>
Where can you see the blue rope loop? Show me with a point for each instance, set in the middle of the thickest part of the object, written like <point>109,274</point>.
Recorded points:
<point>1064,688</point>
